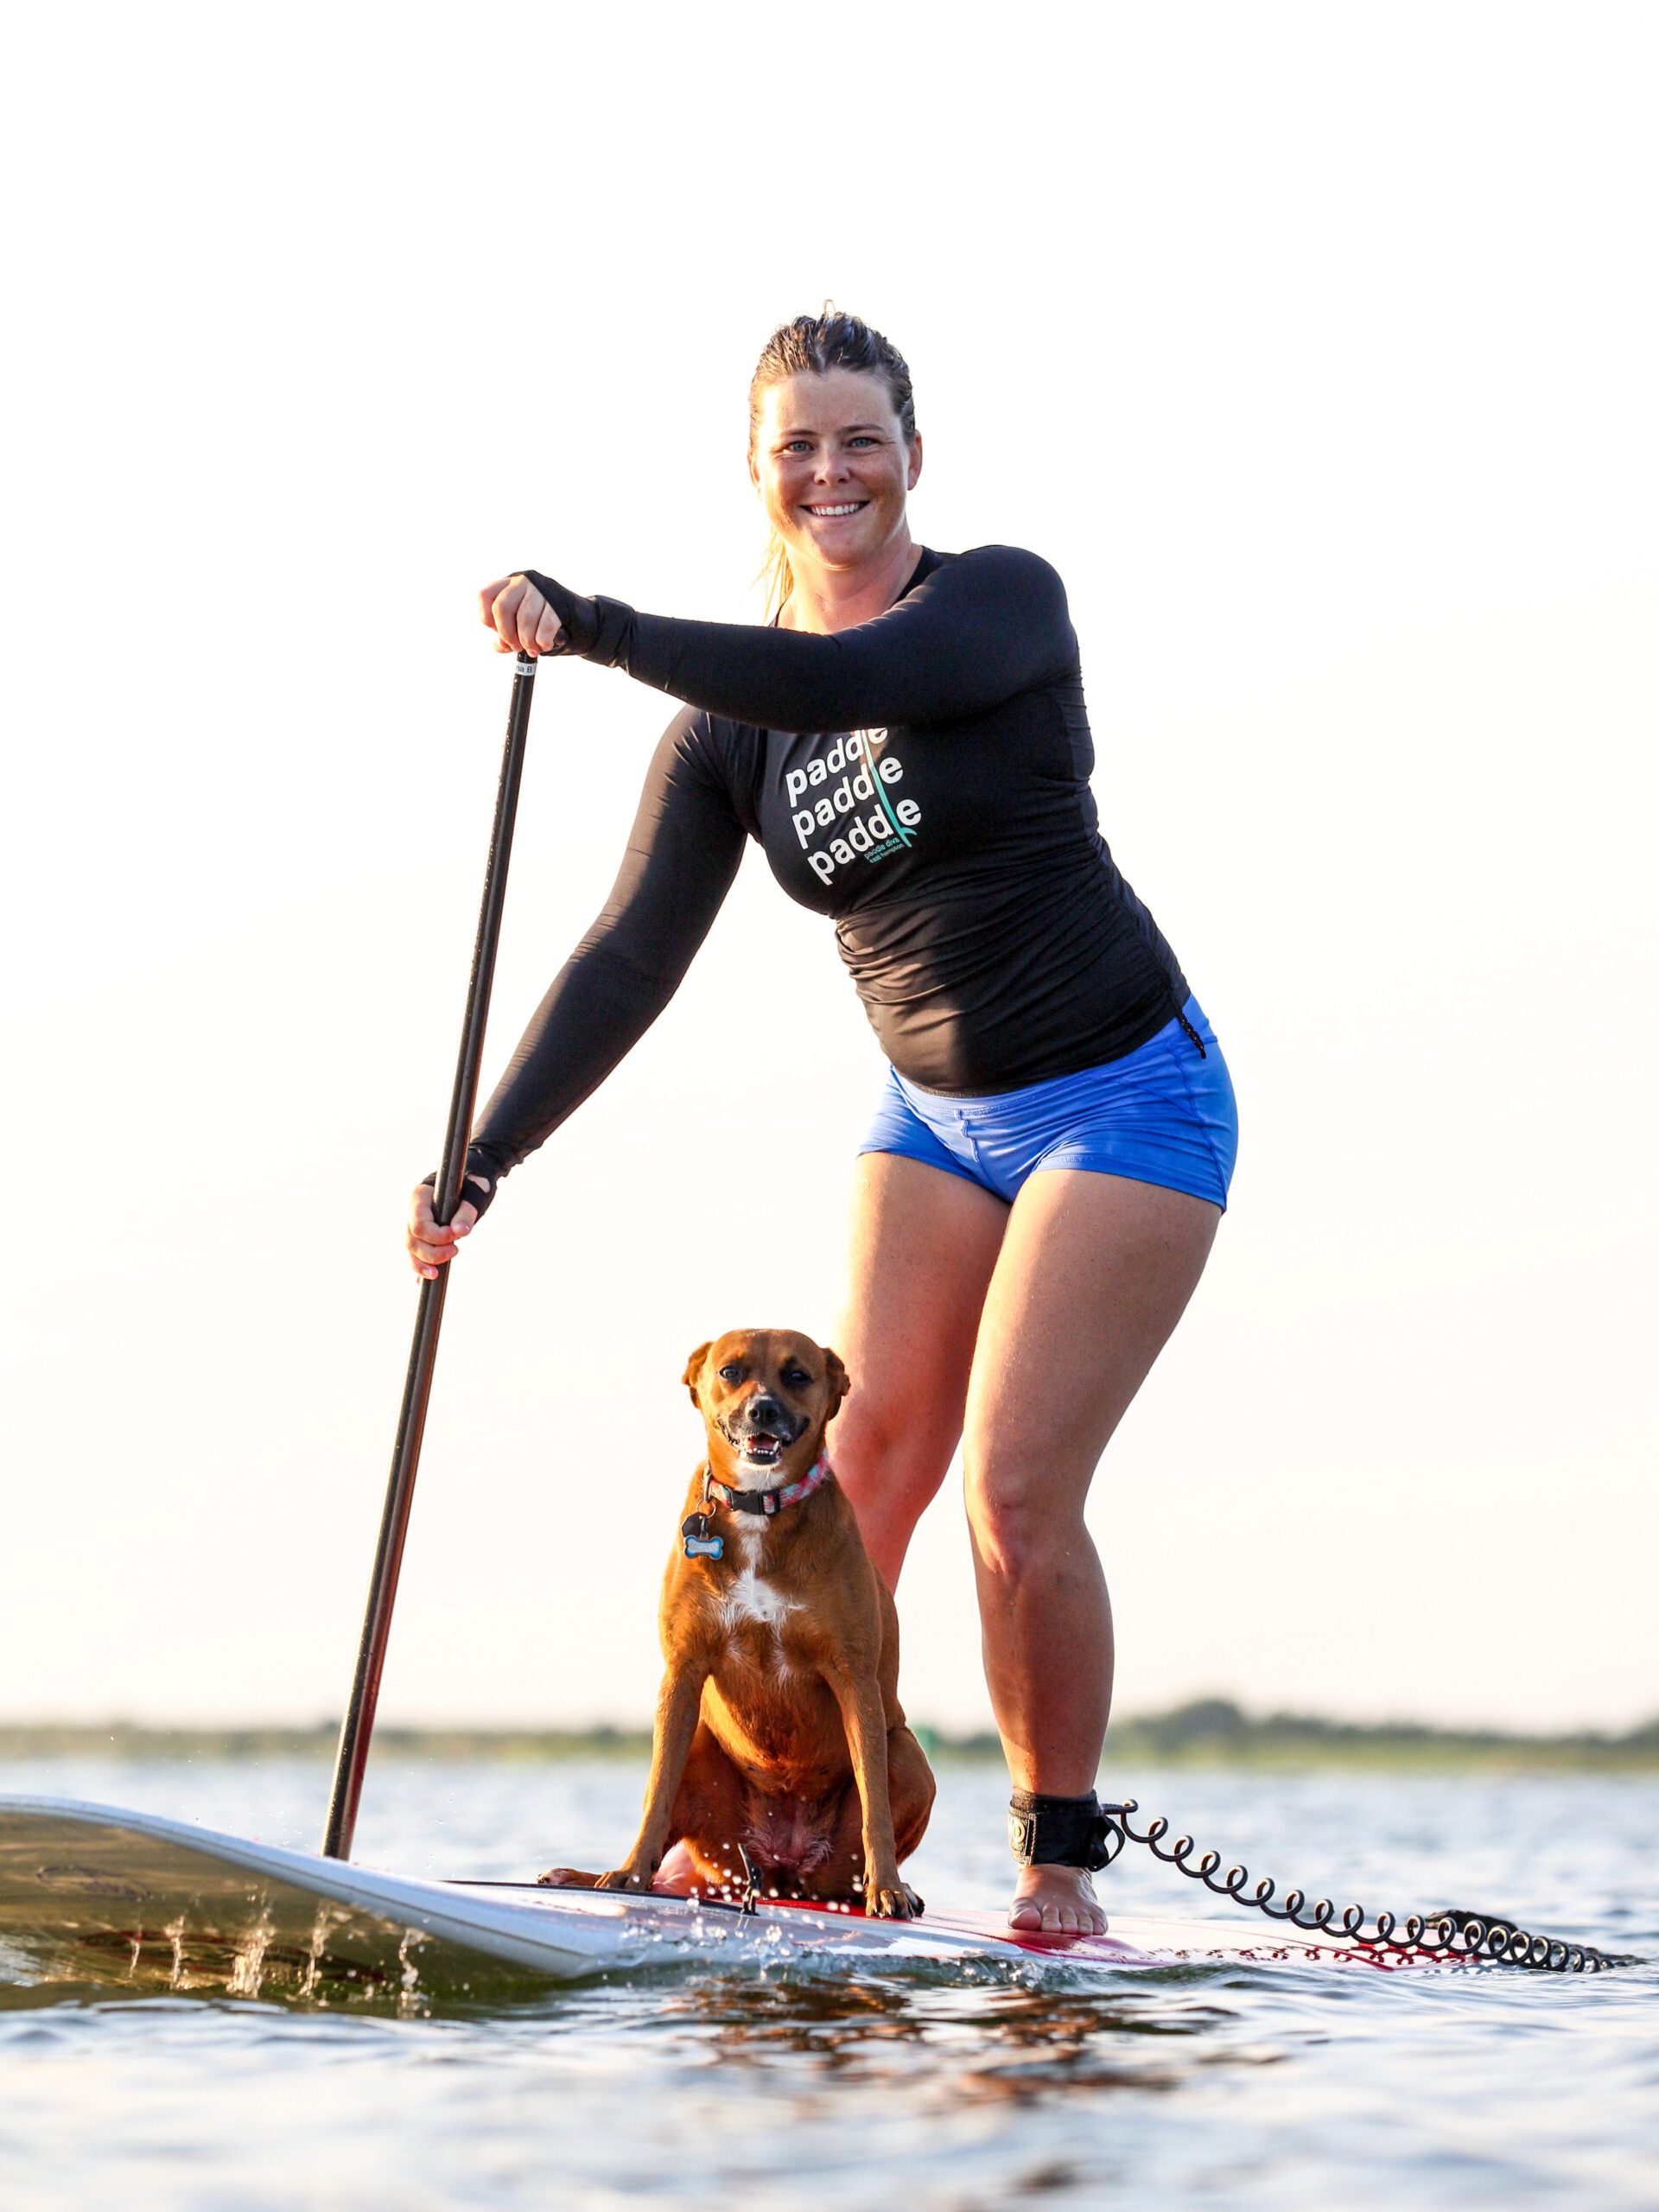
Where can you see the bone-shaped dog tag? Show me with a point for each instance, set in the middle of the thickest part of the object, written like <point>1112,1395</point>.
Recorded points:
<point>698,1543</point>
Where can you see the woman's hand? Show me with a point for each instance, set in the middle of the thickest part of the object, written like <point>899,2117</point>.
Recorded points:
<point>429,1243</point>
<point>521,618</point>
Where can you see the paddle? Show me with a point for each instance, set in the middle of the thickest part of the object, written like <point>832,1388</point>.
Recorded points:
<point>355,1730</point>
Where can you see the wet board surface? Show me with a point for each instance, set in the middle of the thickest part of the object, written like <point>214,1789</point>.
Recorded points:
<point>94,1896</point>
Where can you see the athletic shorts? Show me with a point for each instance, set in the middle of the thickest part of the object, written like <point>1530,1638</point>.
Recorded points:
<point>1163,1113</point>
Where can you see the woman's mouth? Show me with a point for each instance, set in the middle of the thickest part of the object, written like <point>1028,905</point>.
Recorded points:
<point>837,513</point>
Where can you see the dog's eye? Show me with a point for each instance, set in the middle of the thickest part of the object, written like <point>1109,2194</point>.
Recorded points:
<point>795,1377</point>
<point>729,1374</point>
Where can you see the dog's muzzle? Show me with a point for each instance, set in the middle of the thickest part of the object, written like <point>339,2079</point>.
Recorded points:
<point>761,1430</point>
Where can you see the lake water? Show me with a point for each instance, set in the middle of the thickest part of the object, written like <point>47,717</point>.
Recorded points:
<point>1265,2087</point>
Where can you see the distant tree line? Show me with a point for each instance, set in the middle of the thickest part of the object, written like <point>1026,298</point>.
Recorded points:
<point>1209,1731</point>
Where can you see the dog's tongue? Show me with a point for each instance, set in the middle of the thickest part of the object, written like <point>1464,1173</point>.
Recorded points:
<point>766,1448</point>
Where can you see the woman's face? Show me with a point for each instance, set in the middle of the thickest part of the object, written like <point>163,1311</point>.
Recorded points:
<point>832,466</point>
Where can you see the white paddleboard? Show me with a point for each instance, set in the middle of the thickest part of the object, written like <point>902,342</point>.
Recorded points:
<point>93,1896</point>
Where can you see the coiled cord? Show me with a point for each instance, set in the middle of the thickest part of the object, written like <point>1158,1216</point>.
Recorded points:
<point>1450,1933</point>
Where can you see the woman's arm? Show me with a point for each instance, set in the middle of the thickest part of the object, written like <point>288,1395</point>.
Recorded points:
<point>683,854</point>
<point>978,630</point>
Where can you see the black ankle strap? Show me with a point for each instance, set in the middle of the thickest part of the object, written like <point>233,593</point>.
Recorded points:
<point>1058,1831</point>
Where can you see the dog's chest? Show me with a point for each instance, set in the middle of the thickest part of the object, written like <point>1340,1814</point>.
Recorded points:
<point>751,1598</point>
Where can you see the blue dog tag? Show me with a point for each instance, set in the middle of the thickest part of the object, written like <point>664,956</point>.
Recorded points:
<point>697,1542</point>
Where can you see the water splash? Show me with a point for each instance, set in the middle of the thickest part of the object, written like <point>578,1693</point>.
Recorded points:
<point>411,1999</point>
<point>247,1972</point>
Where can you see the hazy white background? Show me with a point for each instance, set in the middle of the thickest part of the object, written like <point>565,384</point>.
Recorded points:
<point>1316,346</point>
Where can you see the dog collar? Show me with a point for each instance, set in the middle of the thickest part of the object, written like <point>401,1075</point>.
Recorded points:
<point>769,1502</point>
<point>698,1540</point>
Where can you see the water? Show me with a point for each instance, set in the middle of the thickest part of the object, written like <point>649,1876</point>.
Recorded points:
<point>1270,2088</point>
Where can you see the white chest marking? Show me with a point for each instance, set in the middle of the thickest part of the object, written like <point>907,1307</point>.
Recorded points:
<point>749,1596</point>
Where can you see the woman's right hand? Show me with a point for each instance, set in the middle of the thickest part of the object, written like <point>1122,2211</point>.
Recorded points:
<point>520,617</point>
<point>429,1243</point>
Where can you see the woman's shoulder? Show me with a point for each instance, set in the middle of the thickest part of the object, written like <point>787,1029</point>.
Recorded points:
<point>1006,586</point>
<point>1004,568</point>
<point>710,743</point>
<point>704,760</point>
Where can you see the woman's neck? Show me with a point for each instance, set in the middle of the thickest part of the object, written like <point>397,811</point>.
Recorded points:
<point>828,600</point>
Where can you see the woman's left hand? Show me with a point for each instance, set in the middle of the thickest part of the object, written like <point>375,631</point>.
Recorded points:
<point>521,618</point>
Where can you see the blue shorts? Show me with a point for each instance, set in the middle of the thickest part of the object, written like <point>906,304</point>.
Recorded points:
<point>1163,1113</point>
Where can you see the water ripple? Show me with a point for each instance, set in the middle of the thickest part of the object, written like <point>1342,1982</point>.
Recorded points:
<point>1270,2089</point>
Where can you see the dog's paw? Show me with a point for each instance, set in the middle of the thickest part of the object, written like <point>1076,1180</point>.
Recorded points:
<point>623,1877</point>
<point>567,1877</point>
<point>900,1902</point>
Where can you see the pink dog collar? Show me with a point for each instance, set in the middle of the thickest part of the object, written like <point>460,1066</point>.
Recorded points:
<point>771,1500</point>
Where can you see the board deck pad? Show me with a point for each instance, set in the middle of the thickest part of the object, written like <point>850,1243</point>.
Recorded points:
<point>100,1898</point>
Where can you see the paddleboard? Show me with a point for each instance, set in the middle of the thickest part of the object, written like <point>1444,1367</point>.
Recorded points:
<point>100,1898</point>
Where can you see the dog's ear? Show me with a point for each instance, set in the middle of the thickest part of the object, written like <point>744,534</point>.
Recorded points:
<point>694,1368</point>
<point>839,1380</point>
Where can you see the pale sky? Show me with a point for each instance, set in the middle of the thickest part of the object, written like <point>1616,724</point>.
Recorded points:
<point>1316,347</point>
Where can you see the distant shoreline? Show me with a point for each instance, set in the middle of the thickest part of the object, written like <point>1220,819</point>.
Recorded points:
<point>1211,1731</point>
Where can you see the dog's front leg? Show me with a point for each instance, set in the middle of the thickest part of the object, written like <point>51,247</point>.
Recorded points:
<point>678,1705</point>
<point>864,1717</point>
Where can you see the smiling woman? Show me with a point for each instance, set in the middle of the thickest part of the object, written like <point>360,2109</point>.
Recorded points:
<point>1050,1158</point>
<point>832,484</point>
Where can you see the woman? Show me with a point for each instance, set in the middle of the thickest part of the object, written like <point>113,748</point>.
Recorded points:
<point>1038,1191</point>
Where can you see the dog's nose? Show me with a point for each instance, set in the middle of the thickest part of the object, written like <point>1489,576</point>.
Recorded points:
<point>765,1412</point>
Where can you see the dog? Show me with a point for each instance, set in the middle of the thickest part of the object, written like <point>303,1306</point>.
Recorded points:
<point>780,1758</point>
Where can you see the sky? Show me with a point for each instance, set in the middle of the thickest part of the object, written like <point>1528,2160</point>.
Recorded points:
<point>1316,347</point>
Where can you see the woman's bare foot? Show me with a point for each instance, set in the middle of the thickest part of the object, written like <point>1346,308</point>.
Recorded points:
<point>1058,1900</point>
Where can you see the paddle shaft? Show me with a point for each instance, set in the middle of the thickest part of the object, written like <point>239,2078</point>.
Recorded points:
<point>357,1725</point>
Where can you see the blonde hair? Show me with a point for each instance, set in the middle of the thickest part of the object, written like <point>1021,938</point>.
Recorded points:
<point>819,343</point>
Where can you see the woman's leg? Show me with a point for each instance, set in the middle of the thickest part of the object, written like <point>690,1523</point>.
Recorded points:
<point>923,1246</point>
<point>1094,1273</point>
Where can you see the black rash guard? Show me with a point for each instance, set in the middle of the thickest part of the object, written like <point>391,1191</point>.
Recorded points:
<point>923,778</point>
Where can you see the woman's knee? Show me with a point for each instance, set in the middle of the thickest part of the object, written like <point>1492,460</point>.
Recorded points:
<point>882,1450</point>
<point>890,1470</point>
<point>1024,1524</point>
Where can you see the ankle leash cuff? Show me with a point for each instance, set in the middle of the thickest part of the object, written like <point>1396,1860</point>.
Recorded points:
<point>1063,1830</point>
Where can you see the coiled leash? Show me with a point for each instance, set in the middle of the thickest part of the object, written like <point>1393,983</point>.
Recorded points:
<point>1082,1832</point>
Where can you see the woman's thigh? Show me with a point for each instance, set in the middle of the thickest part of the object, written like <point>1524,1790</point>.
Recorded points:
<point>923,1246</point>
<point>1093,1273</point>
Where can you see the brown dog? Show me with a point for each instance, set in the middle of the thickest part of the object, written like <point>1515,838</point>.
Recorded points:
<point>780,1738</point>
